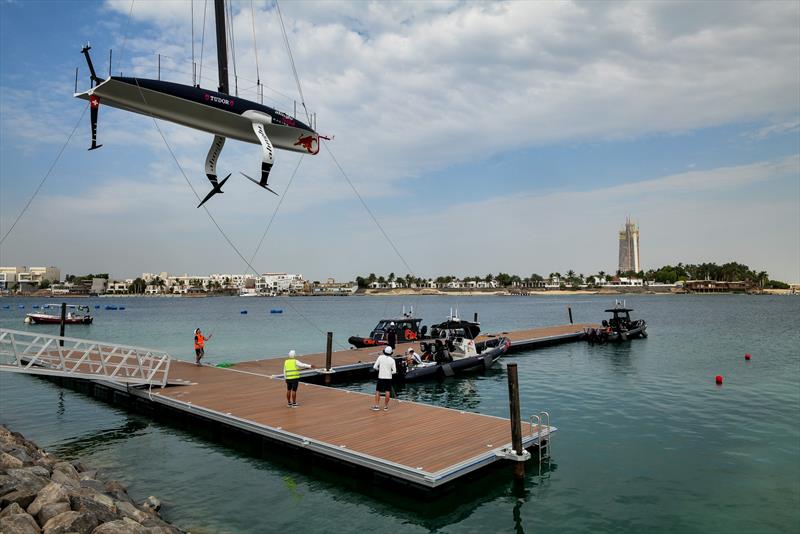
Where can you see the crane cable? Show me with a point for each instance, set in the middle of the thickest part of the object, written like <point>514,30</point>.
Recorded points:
<point>202,45</point>
<point>229,21</point>
<point>275,211</point>
<point>255,45</point>
<point>214,221</point>
<point>291,61</point>
<point>47,175</point>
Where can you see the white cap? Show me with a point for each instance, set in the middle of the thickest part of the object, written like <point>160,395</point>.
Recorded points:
<point>387,350</point>
<point>292,354</point>
<point>391,323</point>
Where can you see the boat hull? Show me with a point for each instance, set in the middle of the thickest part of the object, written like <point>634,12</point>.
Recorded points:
<point>205,110</point>
<point>37,318</point>
<point>491,352</point>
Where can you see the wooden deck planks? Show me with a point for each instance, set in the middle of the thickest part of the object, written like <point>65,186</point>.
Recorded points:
<point>410,434</point>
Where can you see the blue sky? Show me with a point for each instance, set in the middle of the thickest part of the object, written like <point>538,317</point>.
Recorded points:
<point>485,137</point>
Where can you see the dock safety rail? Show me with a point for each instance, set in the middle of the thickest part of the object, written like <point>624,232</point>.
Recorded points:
<point>42,354</point>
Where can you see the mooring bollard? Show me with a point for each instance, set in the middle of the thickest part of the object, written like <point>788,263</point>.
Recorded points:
<point>63,322</point>
<point>569,310</point>
<point>516,422</point>
<point>328,355</point>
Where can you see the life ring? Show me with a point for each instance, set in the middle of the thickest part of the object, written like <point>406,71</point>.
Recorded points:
<point>410,335</point>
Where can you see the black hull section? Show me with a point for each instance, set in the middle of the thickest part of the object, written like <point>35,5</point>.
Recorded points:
<point>492,351</point>
<point>361,342</point>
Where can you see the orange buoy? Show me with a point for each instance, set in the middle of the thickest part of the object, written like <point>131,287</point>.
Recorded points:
<point>719,380</point>
<point>747,356</point>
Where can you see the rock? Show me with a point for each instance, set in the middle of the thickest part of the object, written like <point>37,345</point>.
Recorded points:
<point>8,461</point>
<point>89,474</point>
<point>79,522</point>
<point>12,509</point>
<point>6,484</point>
<point>118,491</point>
<point>23,496</point>
<point>21,455</point>
<point>51,493</point>
<point>121,526</point>
<point>100,498</point>
<point>79,467</point>
<point>19,524</point>
<point>49,511</point>
<point>152,503</point>
<point>93,484</point>
<point>129,510</point>
<point>102,512</point>
<point>67,469</point>
<point>65,479</point>
<point>37,470</point>
<point>23,477</point>
<point>156,524</point>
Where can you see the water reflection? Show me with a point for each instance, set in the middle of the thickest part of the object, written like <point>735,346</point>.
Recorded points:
<point>99,439</point>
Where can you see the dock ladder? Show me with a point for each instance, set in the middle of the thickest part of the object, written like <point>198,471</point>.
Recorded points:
<point>544,437</point>
<point>42,354</point>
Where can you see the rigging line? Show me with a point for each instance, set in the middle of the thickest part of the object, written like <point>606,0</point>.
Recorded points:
<point>191,4</point>
<point>369,211</point>
<point>50,170</point>
<point>125,35</point>
<point>291,61</point>
<point>275,212</point>
<point>213,220</point>
<point>202,45</point>
<point>255,45</point>
<point>229,21</point>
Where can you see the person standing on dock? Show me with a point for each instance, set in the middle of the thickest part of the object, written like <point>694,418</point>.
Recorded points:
<point>291,371</point>
<point>200,345</point>
<point>386,368</point>
<point>391,336</point>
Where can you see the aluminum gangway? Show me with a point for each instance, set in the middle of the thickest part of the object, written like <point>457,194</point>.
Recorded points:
<point>42,354</point>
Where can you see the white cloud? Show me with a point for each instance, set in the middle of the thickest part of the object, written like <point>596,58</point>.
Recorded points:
<point>410,87</point>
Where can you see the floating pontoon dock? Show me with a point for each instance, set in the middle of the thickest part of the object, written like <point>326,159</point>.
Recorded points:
<point>426,446</point>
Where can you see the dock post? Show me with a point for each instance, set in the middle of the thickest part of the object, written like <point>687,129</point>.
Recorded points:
<point>569,310</point>
<point>516,422</point>
<point>328,355</point>
<point>63,322</point>
<point>476,318</point>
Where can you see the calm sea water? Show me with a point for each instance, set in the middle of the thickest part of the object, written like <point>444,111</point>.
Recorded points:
<point>647,441</point>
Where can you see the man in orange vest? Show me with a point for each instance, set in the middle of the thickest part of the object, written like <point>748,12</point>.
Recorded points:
<point>200,345</point>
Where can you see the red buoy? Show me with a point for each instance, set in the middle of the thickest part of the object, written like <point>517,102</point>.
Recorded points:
<point>747,356</point>
<point>719,380</point>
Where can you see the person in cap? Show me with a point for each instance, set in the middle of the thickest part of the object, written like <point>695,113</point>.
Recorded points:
<point>391,335</point>
<point>291,372</point>
<point>200,345</point>
<point>386,368</point>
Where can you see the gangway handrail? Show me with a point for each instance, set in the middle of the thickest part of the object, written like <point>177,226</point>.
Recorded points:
<point>36,353</point>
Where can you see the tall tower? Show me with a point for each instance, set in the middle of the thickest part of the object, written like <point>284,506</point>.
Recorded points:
<point>629,247</point>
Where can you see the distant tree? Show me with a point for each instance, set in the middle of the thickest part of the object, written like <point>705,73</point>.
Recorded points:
<point>138,286</point>
<point>361,281</point>
<point>44,284</point>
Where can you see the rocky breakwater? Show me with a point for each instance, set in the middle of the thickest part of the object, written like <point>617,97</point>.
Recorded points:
<point>40,493</point>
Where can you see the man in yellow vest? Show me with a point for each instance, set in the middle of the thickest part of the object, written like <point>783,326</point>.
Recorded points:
<point>291,372</point>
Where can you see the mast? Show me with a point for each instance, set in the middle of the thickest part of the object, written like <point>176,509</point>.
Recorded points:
<point>222,50</point>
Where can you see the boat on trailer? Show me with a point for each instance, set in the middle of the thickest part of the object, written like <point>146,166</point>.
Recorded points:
<point>51,314</point>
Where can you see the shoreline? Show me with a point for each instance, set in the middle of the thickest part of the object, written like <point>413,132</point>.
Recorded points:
<point>40,492</point>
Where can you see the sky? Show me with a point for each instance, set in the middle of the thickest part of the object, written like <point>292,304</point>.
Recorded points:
<point>482,137</point>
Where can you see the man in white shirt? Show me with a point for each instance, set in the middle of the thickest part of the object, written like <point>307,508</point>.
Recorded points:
<point>386,368</point>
